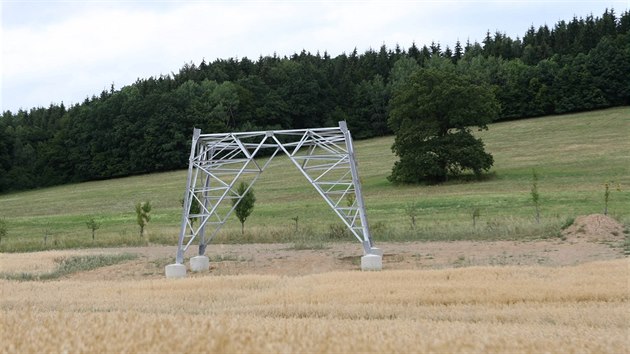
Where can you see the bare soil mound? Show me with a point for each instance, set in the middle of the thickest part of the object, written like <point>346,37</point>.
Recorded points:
<point>595,228</point>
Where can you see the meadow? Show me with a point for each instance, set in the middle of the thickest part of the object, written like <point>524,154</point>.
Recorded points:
<point>577,309</point>
<point>574,156</point>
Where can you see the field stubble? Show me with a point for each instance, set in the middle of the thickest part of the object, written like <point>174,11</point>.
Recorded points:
<point>581,308</point>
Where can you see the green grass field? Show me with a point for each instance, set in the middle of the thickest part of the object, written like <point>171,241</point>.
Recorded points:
<point>574,155</point>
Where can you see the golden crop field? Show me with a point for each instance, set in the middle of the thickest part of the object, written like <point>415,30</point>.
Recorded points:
<point>574,309</point>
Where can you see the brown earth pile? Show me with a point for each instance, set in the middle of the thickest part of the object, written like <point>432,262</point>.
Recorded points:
<point>595,227</point>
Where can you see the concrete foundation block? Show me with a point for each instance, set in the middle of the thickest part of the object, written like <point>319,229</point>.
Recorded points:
<point>175,270</point>
<point>371,262</point>
<point>376,251</point>
<point>199,264</point>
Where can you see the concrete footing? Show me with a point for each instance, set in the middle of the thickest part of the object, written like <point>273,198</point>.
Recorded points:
<point>371,262</point>
<point>199,264</point>
<point>175,270</point>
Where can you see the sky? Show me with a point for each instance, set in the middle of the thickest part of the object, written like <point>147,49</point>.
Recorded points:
<point>64,51</point>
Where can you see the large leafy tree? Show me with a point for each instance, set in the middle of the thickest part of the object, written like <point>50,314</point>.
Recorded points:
<point>432,114</point>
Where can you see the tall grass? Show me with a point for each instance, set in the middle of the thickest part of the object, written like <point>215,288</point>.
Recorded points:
<point>499,228</point>
<point>573,155</point>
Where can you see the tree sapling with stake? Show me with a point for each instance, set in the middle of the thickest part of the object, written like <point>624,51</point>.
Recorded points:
<point>3,229</point>
<point>244,208</point>
<point>195,209</point>
<point>93,225</point>
<point>535,195</point>
<point>475,215</point>
<point>607,194</point>
<point>411,209</point>
<point>143,216</point>
<point>296,219</point>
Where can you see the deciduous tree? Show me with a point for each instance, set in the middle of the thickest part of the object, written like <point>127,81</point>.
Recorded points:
<point>432,114</point>
<point>246,204</point>
<point>143,215</point>
<point>93,225</point>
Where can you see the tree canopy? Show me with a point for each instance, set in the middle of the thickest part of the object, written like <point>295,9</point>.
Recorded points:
<point>432,114</point>
<point>576,65</point>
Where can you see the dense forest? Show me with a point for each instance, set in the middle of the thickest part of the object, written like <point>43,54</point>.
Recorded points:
<point>578,65</point>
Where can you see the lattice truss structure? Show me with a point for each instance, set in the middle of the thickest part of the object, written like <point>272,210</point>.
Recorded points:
<point>219,162</point>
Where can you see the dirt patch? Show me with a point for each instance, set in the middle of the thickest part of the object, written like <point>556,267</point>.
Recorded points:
<point>594,228</point>
<point>281,259</point>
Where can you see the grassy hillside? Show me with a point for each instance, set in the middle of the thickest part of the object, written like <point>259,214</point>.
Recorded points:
<point>574,155</point>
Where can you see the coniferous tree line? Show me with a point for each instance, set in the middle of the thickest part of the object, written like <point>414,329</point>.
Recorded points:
<point>145,127</point>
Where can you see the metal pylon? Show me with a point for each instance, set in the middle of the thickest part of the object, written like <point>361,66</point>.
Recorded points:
<point>218,162</point>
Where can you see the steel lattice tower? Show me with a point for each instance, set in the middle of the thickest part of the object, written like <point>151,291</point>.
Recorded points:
<point>325,156</point>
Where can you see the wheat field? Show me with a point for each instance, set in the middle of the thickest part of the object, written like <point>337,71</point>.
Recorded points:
<point>576,309</point>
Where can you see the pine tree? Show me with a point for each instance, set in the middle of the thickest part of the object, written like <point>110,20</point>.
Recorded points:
<point>448,54</point>
<point>459,53</point>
